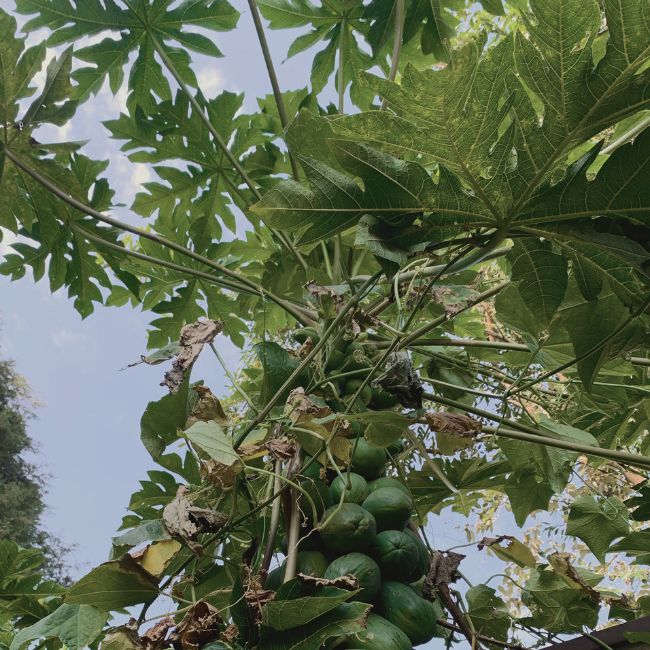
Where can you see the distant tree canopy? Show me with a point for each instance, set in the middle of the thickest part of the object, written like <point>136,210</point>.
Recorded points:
<point>21,484</point>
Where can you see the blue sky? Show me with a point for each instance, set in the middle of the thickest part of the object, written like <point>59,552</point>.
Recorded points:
<point>87,428</point>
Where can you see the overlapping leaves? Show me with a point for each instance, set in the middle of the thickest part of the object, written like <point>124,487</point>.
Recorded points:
<point>144,26</point>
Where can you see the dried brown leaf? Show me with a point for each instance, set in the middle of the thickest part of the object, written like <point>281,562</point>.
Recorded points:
<point>199,626</point>
<point>155,637</point>
<point>184,520</point>
<point>456,424</point>
<point>281,448</point>
<point>207,407</point>
<point>230,634</point>
<point>443,570</point>
<point>343,582</point>
<point>193,337</point>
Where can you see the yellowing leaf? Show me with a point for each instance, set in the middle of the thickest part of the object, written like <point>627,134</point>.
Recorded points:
<point>157,556</point>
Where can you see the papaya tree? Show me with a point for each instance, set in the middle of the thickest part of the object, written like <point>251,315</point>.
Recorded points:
<point>434,255</point>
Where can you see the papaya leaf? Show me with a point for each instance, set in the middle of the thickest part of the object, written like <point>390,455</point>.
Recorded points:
<point>75,625</point>
<point>597,522</point>
<point>347,618</point>
<point>139,27</point>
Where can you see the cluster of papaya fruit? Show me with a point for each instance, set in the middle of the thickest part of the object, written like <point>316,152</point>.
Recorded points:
<point>365,531</point>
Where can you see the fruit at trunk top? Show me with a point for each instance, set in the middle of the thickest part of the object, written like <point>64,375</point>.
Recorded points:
<point>304,333</point>
<point>382,399</point>
<point>390,507</point>
<point>311,563</point>
<point>368,460</point>
<point>363,568</point>
<point>352,385</point>
<point>319,493</point>
<point>424,558</point>
<point>387,481</point>
<point>311,542</point>
<point>351,528</point>
<point>379,634</point>
<point>396,553</point>
<point>356,493</point>
<point>405,608</point>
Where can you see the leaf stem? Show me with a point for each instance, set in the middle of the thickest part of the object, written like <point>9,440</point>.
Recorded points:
<point>341,75</point>
<point>436,322</point>
<point>353,302</point>
<point>270,68</point>
<point>298,314</point>
<point>233,379</point>
<point>609,454</point>
<point>275,517</point>
<point>397,45</point>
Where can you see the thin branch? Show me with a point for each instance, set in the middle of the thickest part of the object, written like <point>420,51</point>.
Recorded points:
<point>145,234</point>
<point>354,300</point>
<point>487,639</point>
<point>594,348</point>
<point>414,336</point>
<point>270,68</point>
<point>397,45</point>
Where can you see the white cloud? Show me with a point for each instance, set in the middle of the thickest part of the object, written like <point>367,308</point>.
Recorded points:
<point>210,79</point>
<point>64,338</point>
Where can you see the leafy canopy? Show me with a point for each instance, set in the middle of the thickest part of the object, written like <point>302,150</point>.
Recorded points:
<point>482,212</point>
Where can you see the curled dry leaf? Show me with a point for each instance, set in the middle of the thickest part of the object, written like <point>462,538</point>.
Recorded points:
<point>512,551</point>
<point>305,413</point>
<point>184,520</point>
<point>281,448</point>
<point>207,407</point>
<point>155,637</point>
<point>256,599</point>
<point>443,570</point>
<point>199,626</point>
<point>193,337</point>
<point>343,582</point>
<point>456,424</point>
<point>401,380</point>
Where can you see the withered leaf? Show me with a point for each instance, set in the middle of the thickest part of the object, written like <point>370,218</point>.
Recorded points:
<point>155,637</point>
<point>343,582</point>
<point>456,424</point>
<point>443,570</point>
<point>199,626</point>
<point>401,380</point>
<point>193,337</point>
<point>305,413</point>
<point>281,448</point>
<point>184,520</point>
<point>207,407</point>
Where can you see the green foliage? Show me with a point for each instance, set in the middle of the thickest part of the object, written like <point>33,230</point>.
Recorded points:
<point>488,221</point>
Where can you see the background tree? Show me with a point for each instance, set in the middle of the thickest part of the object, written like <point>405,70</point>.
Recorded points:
<point>22,486</point>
